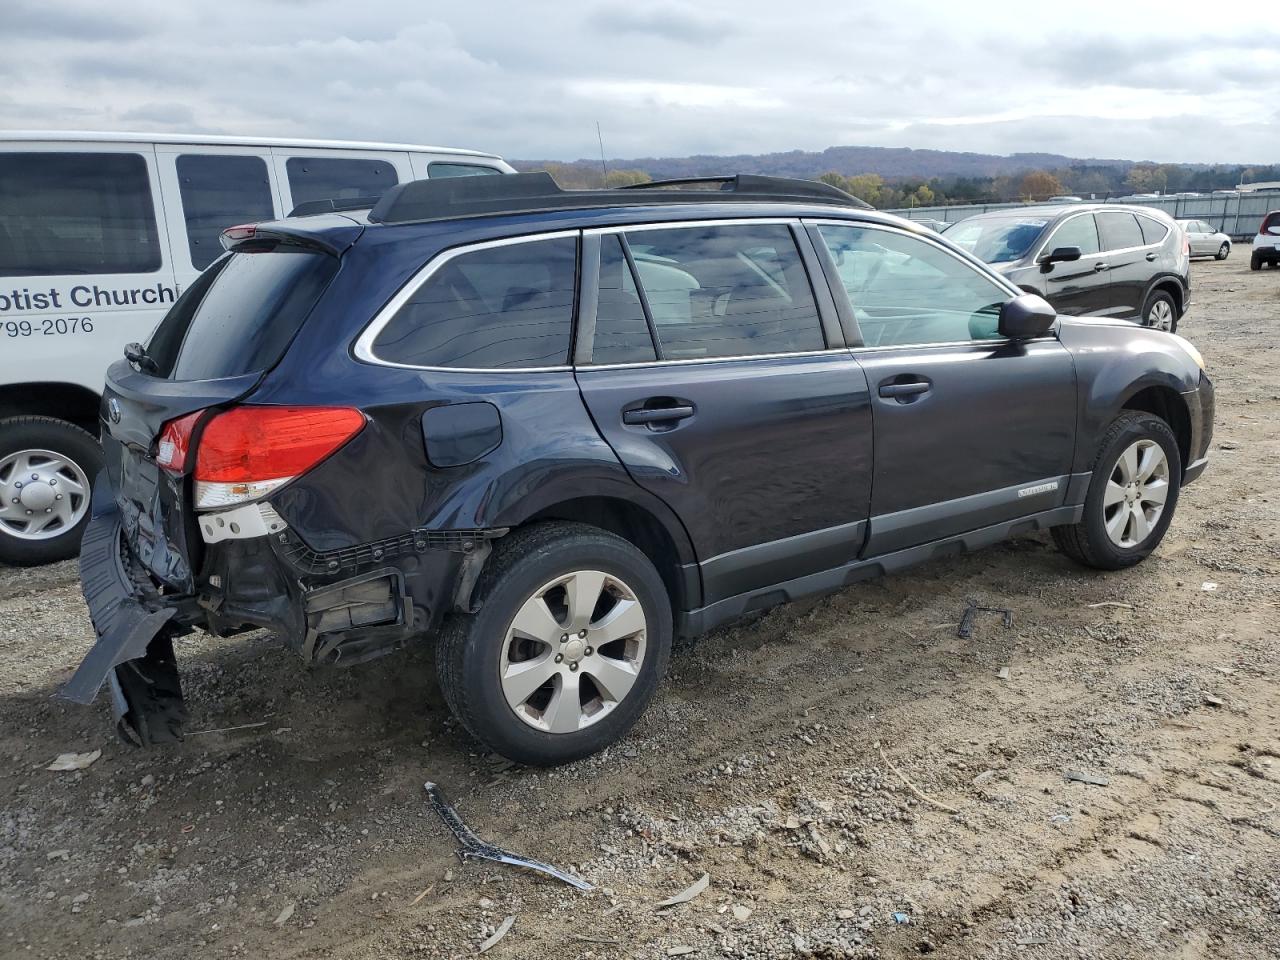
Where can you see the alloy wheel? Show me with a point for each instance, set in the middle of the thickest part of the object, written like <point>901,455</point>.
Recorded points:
<point>42,494</point>
<point>1136,492</point>
<point>573,651</point>
<point>1161,315</point>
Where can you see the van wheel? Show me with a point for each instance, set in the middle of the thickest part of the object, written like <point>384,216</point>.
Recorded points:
<point>1160,313</point>
<point>47,468</point>
<point>1223,251</point>
<point>572,635</point>
<point>1132,495</point>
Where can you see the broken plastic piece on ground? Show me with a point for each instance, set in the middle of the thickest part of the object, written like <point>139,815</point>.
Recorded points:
<point>1090,778</point>
<point>73,761</point>
<point>471,847</point>
<point>965,630</point>
<point>498,934</point>
<point>901,918</point>
<point>687,894</point>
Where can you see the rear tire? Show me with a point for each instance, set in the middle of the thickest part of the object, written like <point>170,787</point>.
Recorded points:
<point>531,627</point>
<point>1107,537</point>
<point>1223,252</point>
<point>1160,312</point>
<point>44,459</point>
<point>1255,262</point>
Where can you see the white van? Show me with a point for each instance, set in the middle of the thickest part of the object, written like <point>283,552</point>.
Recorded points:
<point>99,233</point>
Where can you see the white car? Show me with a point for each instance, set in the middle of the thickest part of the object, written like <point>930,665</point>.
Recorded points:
<point>1266,245</point>
<point>1204,241</point>
<point>99,235</point>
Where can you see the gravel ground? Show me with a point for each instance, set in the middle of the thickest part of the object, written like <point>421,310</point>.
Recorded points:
<point>776,760</point>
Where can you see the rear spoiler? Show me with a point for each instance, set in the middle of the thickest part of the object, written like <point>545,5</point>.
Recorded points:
<point>331,235</point>
<point>311,207</point>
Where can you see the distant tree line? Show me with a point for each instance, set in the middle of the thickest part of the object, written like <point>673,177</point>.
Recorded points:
<point>1081,180</point>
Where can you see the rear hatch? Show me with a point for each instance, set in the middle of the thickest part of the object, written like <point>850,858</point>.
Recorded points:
<point>211,350</point>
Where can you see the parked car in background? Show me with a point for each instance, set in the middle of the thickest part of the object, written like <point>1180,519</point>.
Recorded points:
<point>1266,245</point>
<point>1064,200</point>
<point>550,430</point>
<point>99,236</point>
<point>1127,263</point>
<point>1204,241</point>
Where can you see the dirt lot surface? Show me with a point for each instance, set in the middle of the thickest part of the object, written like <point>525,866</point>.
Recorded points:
<point>775,760</point>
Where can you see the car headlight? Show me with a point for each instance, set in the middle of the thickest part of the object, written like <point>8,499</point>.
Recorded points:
<point>1192,352</point>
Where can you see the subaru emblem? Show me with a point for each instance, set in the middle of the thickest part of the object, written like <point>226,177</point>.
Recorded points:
<point>113,407</point>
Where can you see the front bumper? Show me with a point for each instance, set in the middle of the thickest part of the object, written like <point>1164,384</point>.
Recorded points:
<point>1200,407</point>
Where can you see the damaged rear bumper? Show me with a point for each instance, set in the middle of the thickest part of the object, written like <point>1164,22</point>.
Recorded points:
<point>133,653</point>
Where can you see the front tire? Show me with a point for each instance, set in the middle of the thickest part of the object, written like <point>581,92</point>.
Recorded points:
<point>47,468</point>
<point>1132,495</point>
<point>1223,252</point>
<point>1160,312</point>
<point>572,635</point>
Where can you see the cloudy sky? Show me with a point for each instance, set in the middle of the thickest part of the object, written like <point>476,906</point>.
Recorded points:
<point>1134,80</point>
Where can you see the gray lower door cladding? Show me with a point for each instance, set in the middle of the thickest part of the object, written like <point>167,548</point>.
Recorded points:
<point>936,521</point>
<point>777,561</point>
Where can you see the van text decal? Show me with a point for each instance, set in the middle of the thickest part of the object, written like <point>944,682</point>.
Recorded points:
<point>26,300</point>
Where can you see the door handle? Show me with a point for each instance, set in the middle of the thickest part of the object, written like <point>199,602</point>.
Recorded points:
<point>656,415</point>
<point>904,391</point>
<point>1151,257</point>
<point>1099,266</point>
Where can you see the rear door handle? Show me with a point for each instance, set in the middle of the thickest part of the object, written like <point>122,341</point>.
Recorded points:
<point>901,391</point>
<point>649,415</point>
<point>1099,266</point>
<point>1151,257</point>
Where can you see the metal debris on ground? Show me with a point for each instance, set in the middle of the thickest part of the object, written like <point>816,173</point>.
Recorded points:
<point>472,847</point>
<point>971,612</point>
<point>687,894</point>
<point>1089,778</point>
<point>64,762</point>
<point>497,934</point>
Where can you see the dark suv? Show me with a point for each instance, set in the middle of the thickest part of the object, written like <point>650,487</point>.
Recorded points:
<point>550,430</point>
<point>1128,263</point>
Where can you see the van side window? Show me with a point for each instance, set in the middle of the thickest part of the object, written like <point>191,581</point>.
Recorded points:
<point>76,213</point>
<point>726,291</point>
<point>1119,230</point>
<point>337,178</point>
<point>442,169</point>
<point>1153,231</point>
<point>219,191</point>
<point>906,290</point>
<point>496,307</point>
<point>1079,231</point>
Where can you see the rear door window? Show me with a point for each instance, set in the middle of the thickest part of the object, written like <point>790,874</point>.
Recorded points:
<point>1080,231</point>
<point>250,307</point>
<point>76,213</point>
<point>1119,230</point>
<point>726,291</point>
<point>338,178</point>
<point>507,306</point>
<point>219,191</point>
<point>622,331</point>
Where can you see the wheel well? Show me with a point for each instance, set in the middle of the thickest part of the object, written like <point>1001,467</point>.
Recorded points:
<point>638,527</point>
<point>66,401</point>
<point>1169,407</point>
<point>1174,289</point>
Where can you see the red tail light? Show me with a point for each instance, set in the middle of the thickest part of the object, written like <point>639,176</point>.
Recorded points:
<point>243,231</point>
<point>175,442</point>
<point>247,452</point>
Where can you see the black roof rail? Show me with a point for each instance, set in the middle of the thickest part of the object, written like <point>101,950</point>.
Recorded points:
<point>309,208</point>
<point>453,197</point>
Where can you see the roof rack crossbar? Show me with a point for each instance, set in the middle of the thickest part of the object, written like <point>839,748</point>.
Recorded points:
<point>453,197</point>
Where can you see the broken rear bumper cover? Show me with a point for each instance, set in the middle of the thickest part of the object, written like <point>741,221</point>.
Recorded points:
<point>340,607</point>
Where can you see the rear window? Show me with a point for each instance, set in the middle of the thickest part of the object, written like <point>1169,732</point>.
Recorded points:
<point>76,213</point>
<point>507,306</point>
<point>337,178</point>
<point>219,191</point>
<point>245,315</point>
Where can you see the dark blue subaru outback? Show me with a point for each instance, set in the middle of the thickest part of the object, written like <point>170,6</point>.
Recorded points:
<point>549,430</point>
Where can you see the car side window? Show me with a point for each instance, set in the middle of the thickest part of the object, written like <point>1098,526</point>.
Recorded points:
<point>441,168</point>
<point>1153,231</point>
<point>219,190</point>
<point>1119,230</point>
<point>622,332</point>
<point>906,290</point>
<point>1079,231</point>
<point>726,291</point>
<point>507,306</point>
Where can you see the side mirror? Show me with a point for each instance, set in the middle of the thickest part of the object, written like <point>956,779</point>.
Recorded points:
<point>1058,255</point>
<point>1027,316</point>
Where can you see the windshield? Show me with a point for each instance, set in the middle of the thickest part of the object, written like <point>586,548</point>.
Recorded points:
<point>997,239</point>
